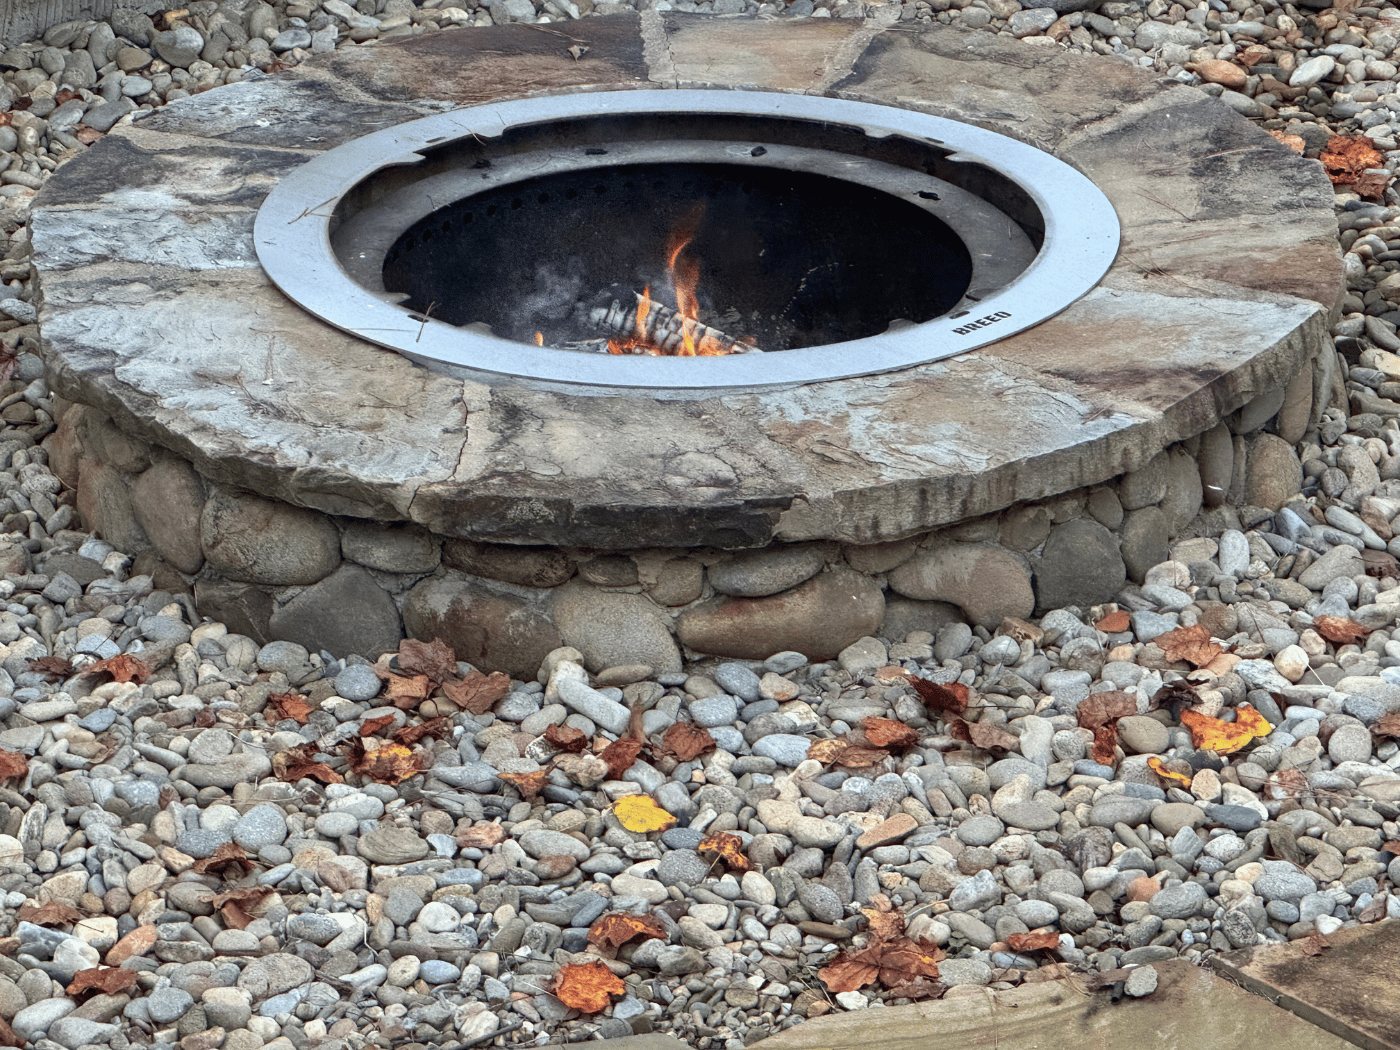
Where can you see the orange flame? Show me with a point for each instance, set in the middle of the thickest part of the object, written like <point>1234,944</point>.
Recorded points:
<point>539,339</point>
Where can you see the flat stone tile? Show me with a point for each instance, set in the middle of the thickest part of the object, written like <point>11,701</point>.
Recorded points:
<point>72,238</point>
<point>1191,1010</point>
<point>1352,989</point>
<point>487,64</point>
<point>775,56</point>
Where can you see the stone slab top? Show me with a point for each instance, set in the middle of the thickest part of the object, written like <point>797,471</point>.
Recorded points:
<point>1191,1008</point>
<point>1351,989</point>
<point>155,309</point>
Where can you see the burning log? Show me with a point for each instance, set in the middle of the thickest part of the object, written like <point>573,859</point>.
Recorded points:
<point>648,327</point>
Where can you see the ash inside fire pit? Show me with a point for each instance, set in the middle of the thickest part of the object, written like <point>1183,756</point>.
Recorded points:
<point>771,258</point>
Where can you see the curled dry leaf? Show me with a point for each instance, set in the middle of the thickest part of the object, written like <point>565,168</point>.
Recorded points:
<point>477,693</point>
<point>944,699</point>
<point>882,920</point>
<point>1192,644</point>
<point>641,814</point>
<point>620,755</point>
<point>528,784</point>
<point>290,705</point>
<point>228,861</point>
<point>1102,708</point>
<point>856,757</point>
<point>889,733</point>
<point>50,913</point>
<point>13,765</point>
<point>240,907</point>
<point>726,848</point>
<point>1114,622</point>
<point>1104,749</point>
<point>616,929</point>
<point>54,668</point>
<point>1387,726</point>
<point>1159,767</point>
<point>1033,942</point>
<point>376,726</point>
<point>893,963</point>
<point>566,738</point>
<point>437,728</point>
<point>8,1036</point>
<point>984,735</point>
<point>406,691</point>
<point>300,763</point>
<point>122,668</point>
<point>685,741</point>
<point>101,980</point>
<point>1225,738</point>
<point>434,659</point>
<point>1340,631</point>
<point>826,751</point>
<point>390,764</point>
<point>587,987</point>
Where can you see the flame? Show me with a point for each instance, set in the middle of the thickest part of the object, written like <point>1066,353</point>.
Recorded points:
<point>539,339</point>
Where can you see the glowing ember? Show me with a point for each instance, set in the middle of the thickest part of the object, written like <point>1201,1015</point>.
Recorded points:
<point>539,339</point>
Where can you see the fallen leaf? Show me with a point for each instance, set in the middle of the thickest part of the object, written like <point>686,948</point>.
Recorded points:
<point>375,726</point>
<point>407,691</point>
<point>686,742</point>
<point>1392,847</point>
<point>1159,767</point>
<point>889,733</point>
<point>1340,631</point>
<point>1174,697</point>
<point>985,735</point>
<point>138,942</point>
<point>725,847</point>
<point>437,728</point>
<point>50,913</point>
<point>390,764</point>
<point>1314,944</point>
<point>299,763</point>
<point>227,859</point>
<point>477,693</point>
<point>641,814</point>
<point>856,757</point>
<point>1033,942</point>
<point>1293,142</point>
<point>1375,911</point>
<point>1192,644</point>
<point>566,738</point>
<point>892,962</point>
<point>8,1036</point>
<point>434,659</point>
<point>850,971</point>
<point>1114,622</point>
<point>1387,726</point>
<point>619,756</point>
<point>239,908</point>
<point>481,836</point>
<point>616,929</point>
<point>102,980</point>
<point>587,987</point>
<point>918,989</point>
<point>951,698</point>
<point>1225,738</point>
<point>528,784</point>
<point>1102,708</point>
<point>1346,158</point>
<point>881,918</point>
<point>1104,749</point>
<point>13,765</point>
<point>827,751</point>
<point>291,705</point>
<point>121,668</point>
<point>54,668</point>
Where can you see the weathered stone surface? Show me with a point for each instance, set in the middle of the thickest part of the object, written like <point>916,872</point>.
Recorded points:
<point>903,616</point>
<point>1081,565</point>
<point>1216,462</point>
<point>104,502</point>
<point>880,557</point>
<point>256,540</point>
<point>64,448</point>
<point>1145,538</point>
<point>612,629</point>
<point>244,608</point>
<point>526,566</point>
<point>390,548</point>
<point>103,441</point>
<point>492,630</point>
<point>679,581</point>
<point>783,56</point>
<point>1274,475</point>
<point>758,574</point>
<point>988,583</point>
<point>345,613</point>
<point>1184,495</point>
<point>817,619</point>
<point>1296,413</point>
<point>167,500</point>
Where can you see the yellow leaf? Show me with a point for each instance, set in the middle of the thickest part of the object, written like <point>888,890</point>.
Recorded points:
<point>1225,738</point>
<point>641,814</point>
<point>1170,775</point>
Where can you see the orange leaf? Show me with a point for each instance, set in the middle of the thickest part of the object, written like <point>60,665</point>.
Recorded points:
<point>988,737</point>
<point>1115,622</point>
<point>686,742</point>
<point>375,726</point>
<point>1225,738</point>
<point>587,987</point>
<point>1192,644</point>
<point>138,942</point>
<point>616,929</point>
<point>528,784</point>
<point>477,693</point>
<point>122,668</point>
<point>1345,158</point>
<point>889,733</point>
<point>1170,775</point>
<point>827,751</point>
<point>725,847</point>
<point>50,913</point>
<point>13,765</point>
<point>566,738</point>
<point>438,728</point>
<point>941,698</point>
<point>390,764</point>
<point>1033,942</point>
<point>434,659</point>
<point>1104,749</point>
<point>893,963</point>
<point>619,756</point>
<point>100,980</point>
<point>300,763</point>
<point>1102,708</point>
<point>856,757</point>
<point>850,971</point>
<point>291,705</point>
<point>1340,631</point>
<point>884,922</point>
<point>225,859</point>
<point>406,691</point>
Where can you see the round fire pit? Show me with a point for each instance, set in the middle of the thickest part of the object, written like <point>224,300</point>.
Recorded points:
<point>864,237</point>
<point>548,370</point>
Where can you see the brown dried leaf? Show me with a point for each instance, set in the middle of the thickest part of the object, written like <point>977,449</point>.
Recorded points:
<point>883,921</point>
<point>1192,644</point>
<point>566,738</point>
<point>851,971</point>
<point>856,757</point>
<point>1346,157</point>
<point>1033,942</point>
<point>1387,726</point>
<point>827,751</point>
<point>477,693</point>
<point>390,764</point>
<point>138,942</point>
<point>587,987</point>
<point>893,963</point>
<point>375,726</point>
<point>1314,944</point>
<point>121,668</point>
<point>229,860</point>
<point>686,742</point>
<point>50,913</point>
<point>240,907</point>
<point>434,659</point>
<point>528,784</point>
<point>951,698</point>
<point>481,836</point>
<point>86,135</point>
<point>8,1036</point>
<point>725,847</point>
<point>1392,847</point>
<point>616,929</point>
<point>1114,622</point>
<point>437,728</point>
<point>1102,708</point>
<point>407,691</point>
<point>919,989</point>
<point>300,764</point>
<point>1288,783</point>
<point>13,765</point>
<point>54,668</point>
<point>1104,750</point>
<point>1372,184</point>
<point>1174,697</point>
<point>1375,911</point>
<point>1340,631</point>
<point>101,980</point>
<point>889,733</point>
<point>984,735</point>
<point>291,705</point>
<point>619,756</point>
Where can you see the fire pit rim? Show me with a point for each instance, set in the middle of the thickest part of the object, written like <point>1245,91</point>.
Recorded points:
<point>292,238</point>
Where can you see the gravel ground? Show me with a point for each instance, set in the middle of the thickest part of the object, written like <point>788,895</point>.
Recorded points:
<point>439,911</point>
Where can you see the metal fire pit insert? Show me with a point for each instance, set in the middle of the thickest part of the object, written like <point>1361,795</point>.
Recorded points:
<point>939,237</point>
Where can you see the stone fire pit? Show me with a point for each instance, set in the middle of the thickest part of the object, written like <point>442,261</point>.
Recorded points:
<point>311,486</point>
